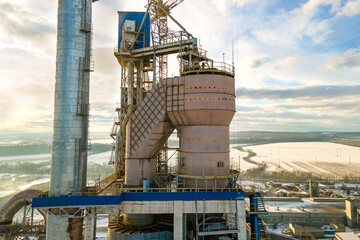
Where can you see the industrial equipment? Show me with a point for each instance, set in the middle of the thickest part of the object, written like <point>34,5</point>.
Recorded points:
<point>146,198</point>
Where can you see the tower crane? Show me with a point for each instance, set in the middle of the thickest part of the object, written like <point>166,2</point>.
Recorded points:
<point>159,11</point>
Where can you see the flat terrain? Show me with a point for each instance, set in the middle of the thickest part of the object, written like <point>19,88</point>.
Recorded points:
<point>349,142</point>
<point>318,158</point>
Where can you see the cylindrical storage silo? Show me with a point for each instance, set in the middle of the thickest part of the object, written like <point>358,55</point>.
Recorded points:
<point>71,110</point>
<point>202,107</point>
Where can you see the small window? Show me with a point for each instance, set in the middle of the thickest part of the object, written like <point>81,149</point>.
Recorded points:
<point>220,164</point>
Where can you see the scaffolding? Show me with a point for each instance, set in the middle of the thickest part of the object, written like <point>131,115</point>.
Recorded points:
<point>136,68</point>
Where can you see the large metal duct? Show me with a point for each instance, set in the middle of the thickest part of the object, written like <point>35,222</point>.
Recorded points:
<point>147,131</point>
<point>18,201</point>
<point>70,132</point>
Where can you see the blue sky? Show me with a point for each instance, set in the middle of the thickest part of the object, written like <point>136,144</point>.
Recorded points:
<point>297,61</point>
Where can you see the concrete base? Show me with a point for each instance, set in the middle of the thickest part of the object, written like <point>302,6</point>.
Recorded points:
<point>241,219</point>
<point>302,218</point>
<point>178,220</point>
<point>180,209</point>
<point>57,228</point>
<point>90,229</point>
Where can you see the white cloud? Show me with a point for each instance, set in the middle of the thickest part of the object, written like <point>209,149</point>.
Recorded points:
<point>288,62</point>
<point>312,92</point>
<point>223,5</point>
<point>350,59</point>
<point>305,114</point>
<point>242,3</point>
<point>270,39</point>
<point>311,6</point>
<point>259,61</point>
<point>288,30</point>
<point>350,9</point>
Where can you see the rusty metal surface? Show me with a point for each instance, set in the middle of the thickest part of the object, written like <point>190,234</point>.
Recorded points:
<point>21,199</point>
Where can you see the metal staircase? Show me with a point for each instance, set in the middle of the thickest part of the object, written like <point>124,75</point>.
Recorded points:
<point>256,205</point>
<point>112,156</point>
<point>255,208</point>
<point>260,235</point>
<point>260,203</point>
<point>114,129</point>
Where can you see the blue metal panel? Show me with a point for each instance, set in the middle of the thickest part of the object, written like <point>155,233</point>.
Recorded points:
<point>144,39</point>
<point>72,201</point>
<point>76,201</point>
<point>182,196</point>
<point>256,227</point>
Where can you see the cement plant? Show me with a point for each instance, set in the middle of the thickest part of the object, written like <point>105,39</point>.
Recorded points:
<point>203,187</point>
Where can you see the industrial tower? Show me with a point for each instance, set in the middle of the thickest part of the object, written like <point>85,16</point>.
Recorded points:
<point>152,106</point>
<point>146,198</point>
<point>71,111</point>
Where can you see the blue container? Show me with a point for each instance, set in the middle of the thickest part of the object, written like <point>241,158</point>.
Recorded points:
<point>146,186</point>
<point>143,39</point>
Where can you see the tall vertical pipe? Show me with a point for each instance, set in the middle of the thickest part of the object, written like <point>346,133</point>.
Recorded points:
<point>70,127</point>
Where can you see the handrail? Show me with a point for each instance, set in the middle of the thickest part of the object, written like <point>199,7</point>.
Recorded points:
<point>101,185</point>
<point>172,37</point>
<point>215,226</point>
<point>176,173</point>
<point>209,66</point>
<point>153,190</point>
<point>250,208</point>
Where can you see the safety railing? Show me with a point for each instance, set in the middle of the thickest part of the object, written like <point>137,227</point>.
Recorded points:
<point>214,227</point>
<point>172,38</point>
<point>185,67</point>
<point>218,172</point>
<point>179,189</point>
<point>258,206</point>
<point>250,207</point>
<point>201,51</point>
<point>93,192</point>
<point>105,182</point>
<point>222,66</point>
<point>193,49</point>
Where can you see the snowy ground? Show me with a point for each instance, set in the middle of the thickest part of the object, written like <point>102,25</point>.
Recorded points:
<point>318,157</point>
<point>305,206</point>
<point>99,158</point>
<point>11,183</point>
<point>236,155</point>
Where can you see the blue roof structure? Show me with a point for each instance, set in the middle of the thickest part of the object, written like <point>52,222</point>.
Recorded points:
<point>144,37</point>
<point>72,201</point>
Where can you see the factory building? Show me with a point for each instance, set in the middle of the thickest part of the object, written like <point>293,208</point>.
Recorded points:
<point>353,212</point>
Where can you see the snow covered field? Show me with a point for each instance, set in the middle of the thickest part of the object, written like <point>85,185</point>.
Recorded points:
<point>99,158</point>
<point>322,158</point>
<point>306,205</point>
<point>11,183</point>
